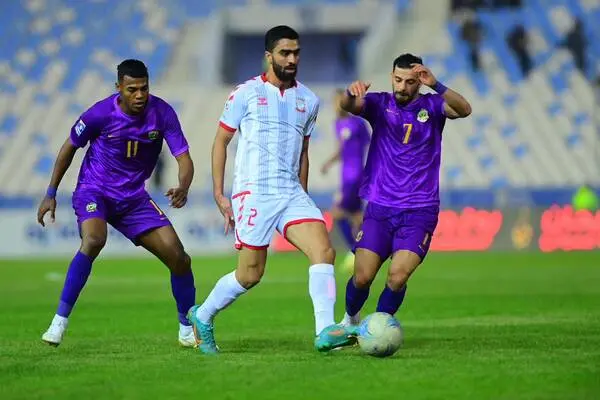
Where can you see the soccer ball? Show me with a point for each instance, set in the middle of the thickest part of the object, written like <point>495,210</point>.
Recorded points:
<point>380,335</point>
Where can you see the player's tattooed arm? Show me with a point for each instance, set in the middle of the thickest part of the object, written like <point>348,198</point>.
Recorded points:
<point>455,106</point>
<point>303,173</point>
<point>61,165</point>
<point>219,159</point>
<point>352,101</point>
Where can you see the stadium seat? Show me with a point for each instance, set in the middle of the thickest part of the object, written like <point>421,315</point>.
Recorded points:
<point>537,130</point>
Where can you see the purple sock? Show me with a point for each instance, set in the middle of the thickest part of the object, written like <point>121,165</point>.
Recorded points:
<point>355,297</point>
<point>390,301</point>
<point>184,293</point>
<point>77,276</point>
<point>346,230</point>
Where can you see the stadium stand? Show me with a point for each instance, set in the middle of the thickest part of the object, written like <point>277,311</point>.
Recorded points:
<point>535,131</point>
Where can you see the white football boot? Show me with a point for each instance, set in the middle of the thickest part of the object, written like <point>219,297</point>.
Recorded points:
<point>187,337</point>
<point>54,335</point>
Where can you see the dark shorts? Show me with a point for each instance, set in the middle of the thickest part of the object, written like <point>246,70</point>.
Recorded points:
<point>347,199</point>
<point>131,217</point>
<point>385,230</point>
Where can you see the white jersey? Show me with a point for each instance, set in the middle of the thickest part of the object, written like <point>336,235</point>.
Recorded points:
<point>272,125</point>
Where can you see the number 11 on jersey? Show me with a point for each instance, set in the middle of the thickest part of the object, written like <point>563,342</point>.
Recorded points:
<point>132,148</point>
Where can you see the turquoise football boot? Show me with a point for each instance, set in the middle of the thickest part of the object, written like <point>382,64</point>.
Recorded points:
<point>335,336</point>
<point>203,332</point>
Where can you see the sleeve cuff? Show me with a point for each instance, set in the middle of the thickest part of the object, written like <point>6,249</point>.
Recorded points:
<point>181,151</point>
<point>227,127</point>
<point>73,142</point>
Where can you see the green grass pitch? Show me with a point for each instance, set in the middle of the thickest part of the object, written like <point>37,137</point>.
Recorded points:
<point>477,326</point>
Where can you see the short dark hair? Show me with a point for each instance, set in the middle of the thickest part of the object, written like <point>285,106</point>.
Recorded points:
<point>132,68</point>
<point>405,60</point>
<point>277,33</point>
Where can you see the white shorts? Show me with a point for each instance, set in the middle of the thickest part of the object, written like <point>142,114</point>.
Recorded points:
<point>258,215</point>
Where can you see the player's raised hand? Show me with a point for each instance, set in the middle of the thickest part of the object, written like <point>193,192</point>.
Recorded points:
<point>425,75</point>
<point>177,197</point>
<point>48,204</point>
<point>224,205</point>
<point>359,88</point>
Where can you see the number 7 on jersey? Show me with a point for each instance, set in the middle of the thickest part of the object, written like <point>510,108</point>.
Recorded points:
<point>407,131</point>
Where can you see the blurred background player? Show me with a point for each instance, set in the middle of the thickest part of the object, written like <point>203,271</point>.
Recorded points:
<point>401,178</point>
<point>353,137</point>
<point>125,132</point>
<point>274,115</point>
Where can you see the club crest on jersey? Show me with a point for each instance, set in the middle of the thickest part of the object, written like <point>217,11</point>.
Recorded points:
<point>423,115</point>
<point>91,207</point>
<point>262,101</point>
<point>79,127</point>
<point>152,135</point>
<point>300,105</point>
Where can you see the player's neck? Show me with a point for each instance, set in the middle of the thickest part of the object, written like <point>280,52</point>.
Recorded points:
<point>124,108</point>
<point>275,81</point>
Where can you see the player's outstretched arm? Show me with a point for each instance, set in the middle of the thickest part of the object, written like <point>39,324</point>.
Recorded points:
<point>353,99</point>
<point>303,173</point>
<point>219,159</point>
<point>178,196</point>
<point>61,165</point>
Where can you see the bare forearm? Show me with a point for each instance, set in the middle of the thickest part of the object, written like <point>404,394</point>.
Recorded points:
<point>186,172</point>
<point>62,163</point>
<point>457,102</point>
<point>303,174</point>
<point>334,158</point>
<point>219,159</point>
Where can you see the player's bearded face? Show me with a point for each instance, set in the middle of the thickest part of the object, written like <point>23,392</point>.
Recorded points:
<point>284,59</point>
<point>405,85</point>
<point>133,93</point>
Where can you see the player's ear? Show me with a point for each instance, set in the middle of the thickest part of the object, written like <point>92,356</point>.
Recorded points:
<point>117,86</point>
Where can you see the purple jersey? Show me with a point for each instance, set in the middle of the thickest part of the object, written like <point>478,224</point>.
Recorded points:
<point>124,149</point>
<point>403,164</point>
<point>353,136</point>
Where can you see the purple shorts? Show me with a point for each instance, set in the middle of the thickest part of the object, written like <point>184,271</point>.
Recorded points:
<point>385,230</point>
<point>131,217</point>
<point>348,199</point>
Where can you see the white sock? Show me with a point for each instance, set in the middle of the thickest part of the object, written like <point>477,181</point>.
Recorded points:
<point>351,319</point>
<point>59,321</point>
<point>321,286</point>
<point>223,294</point>
<point>185,330</point>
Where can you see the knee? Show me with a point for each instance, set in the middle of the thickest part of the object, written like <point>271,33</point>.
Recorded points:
<point>249,275</point>
<point>397,277</point>
<point>326,255</point>
<point>92,244</point>
<point>181,262</point>
<point>363,278</point>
